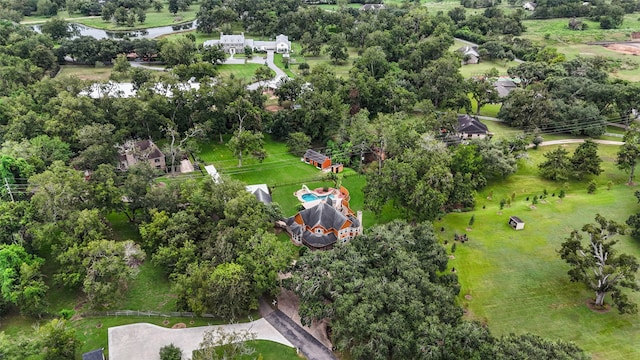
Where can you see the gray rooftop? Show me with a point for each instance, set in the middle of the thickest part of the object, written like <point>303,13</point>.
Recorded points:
<point>314,155</point>
<point>262,196</point>
<point>469,124</point>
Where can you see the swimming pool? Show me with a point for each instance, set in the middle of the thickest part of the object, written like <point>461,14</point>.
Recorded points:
<point>313,197</point>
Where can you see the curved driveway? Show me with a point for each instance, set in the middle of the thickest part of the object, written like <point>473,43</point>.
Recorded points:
<point>143,341</point>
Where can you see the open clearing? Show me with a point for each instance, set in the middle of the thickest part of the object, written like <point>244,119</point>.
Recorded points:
<point>516,282</point>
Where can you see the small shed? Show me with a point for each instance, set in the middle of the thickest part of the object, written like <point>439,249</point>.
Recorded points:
<point>516,223</point>
<point>317,159</point>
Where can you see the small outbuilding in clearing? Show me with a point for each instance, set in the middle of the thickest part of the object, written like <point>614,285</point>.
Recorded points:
<point>516,223</point>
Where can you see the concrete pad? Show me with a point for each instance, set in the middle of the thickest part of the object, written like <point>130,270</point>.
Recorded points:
<point>143,341</point>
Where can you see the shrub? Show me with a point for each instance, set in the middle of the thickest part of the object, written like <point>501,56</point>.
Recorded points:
<point>453,248</point>
<point>591,188</point>
<point>67,313</point>
<point>170,352</point>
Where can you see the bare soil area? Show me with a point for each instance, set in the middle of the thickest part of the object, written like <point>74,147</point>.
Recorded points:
<point>289,303</point>
<point>629,49</point>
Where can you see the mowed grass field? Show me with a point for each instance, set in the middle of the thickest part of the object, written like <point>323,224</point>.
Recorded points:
<point>285,173</point>
<point>516,282</point>
<point>558,31</point>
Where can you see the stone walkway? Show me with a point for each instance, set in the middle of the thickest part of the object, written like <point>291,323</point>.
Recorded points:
<point>143,341</point>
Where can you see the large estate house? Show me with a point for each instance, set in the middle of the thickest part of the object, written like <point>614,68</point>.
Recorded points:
<point>235,44</point>
<point>324,222</point>
<point>144,150</point>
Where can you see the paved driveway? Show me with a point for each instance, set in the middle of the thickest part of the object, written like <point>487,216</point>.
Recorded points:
<point>143,341</point>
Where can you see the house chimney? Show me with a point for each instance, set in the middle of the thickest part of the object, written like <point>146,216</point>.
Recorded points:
<point>359,216</point>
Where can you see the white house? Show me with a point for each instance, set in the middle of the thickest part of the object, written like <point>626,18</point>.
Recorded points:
<point>235,44</point>
<point>470,54</point>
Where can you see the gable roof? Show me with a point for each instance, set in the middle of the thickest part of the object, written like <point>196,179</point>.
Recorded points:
<point>504,87</point>
<point>469,50</point>
<point>144,145</point>
<point>367,7</point>
<point>262,196</point>
<point>94,355</point>
<point>261,192</point>
<point>315,156</point>
<point>232,39</point>
<point>282,39</point>
<point>323,215</point>
<point>470,125</point>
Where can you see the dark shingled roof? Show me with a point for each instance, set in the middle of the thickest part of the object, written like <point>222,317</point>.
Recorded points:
<point>262,196</point>
<point>145,144</point>
<point>94,355</point>
<point>517,219</point>
<point>319,241</point>
<point>315,156</point>
<point>470,125</point>
<point>323,214</point>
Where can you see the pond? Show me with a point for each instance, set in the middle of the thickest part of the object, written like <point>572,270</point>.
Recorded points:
<point>149,33</point>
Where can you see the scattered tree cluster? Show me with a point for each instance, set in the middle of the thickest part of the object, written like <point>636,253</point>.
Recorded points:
<point>412,312</point>
<point>559,166</point>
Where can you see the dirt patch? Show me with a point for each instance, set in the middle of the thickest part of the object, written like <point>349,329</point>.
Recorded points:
<point>532,207</point>
<point>273,108</point>
<point>98,325</point>
<point>289,304</point>
<point>599,309</point>
<point>468,229</point>
<point>179,326</point>
<point>165,323</point>
<point>624,49</point>
<point>452,257</point>
<point>468,297</point>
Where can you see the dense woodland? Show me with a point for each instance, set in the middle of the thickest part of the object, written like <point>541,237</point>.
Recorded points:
<point>59,151</point>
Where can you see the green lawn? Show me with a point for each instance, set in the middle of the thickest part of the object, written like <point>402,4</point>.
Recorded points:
<point>280,167</point>
<point>285,173</point>
<point>271,351</point>
<point>154,19</point>
<point>86,72</point>
<point>559,32</point>
<point>244,71</point>
<point>515,281</point>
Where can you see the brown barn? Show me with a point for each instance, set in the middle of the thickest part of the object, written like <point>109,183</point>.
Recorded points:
<point>317,159</point>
